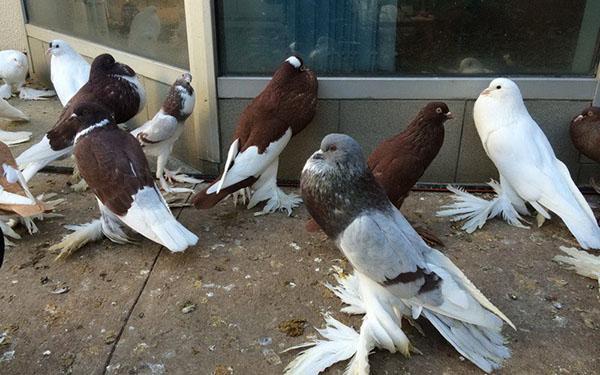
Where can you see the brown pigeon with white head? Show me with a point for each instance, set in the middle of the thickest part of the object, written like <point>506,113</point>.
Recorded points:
<point>158,135</point>
<point>112,85</point>
<point>113,164</point>
<point>280,111</point>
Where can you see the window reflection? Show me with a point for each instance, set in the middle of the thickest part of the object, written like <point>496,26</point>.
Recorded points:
<point>411,37</point>
<point>150,28</point>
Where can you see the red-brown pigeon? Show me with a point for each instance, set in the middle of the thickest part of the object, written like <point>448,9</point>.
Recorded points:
<point>282,110</point>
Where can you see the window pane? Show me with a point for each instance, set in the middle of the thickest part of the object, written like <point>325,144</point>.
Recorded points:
<point>153,29</point>
<point>404,37</point>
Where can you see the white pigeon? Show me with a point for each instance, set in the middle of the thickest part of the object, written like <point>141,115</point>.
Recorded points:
<point>68,70</point>
<point>397,274</point>
<point>13,70</point>
<point>529,170</point>
<point>158,135</point>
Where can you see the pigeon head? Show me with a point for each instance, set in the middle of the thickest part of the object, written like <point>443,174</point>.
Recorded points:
<point>181,99</point>
<point>58,47</point>
<point>17,59</point>
<point>341,153</point>
<point>590,114</point>
<point>436,112</point>
<point>295,62</point>
<point>105,64</point>
<point>90,114</point>
<point>502,89</point>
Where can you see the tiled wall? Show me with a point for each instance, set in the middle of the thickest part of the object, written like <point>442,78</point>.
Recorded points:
<point>461,159</point>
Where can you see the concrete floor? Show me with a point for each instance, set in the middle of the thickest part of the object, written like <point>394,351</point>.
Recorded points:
<point>216,308</point>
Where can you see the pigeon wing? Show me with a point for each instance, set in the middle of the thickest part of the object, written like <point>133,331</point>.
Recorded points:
<point>161,128</point>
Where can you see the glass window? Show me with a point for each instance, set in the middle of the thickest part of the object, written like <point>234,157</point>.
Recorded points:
<point>411,37</point>
<point>154,29</point>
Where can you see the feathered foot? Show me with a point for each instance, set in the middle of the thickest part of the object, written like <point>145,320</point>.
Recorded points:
<point>242,196</point>
<point>82,235</point>
<point>80,187</point>
<point>180,177</point>
<point>581,262</point>
<point>168,188</point>
<point>340,344</point>
<point>27,93</point>
<point>6,91</point>
<point>278,201</point>
<point>477,211</point>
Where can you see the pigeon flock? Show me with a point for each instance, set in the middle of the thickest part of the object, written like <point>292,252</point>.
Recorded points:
<point>354,200</point>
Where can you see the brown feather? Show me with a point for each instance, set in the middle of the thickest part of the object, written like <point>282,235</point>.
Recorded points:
<point>113,164</point>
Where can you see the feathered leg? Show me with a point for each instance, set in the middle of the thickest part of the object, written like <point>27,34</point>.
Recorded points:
<point>78,184</point>
<point>266,189</point>
<point>581,262</point>
<point>108,225</point>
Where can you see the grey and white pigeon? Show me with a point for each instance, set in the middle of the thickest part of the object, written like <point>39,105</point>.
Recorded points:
<point>529,170</point>
<point>283,109</point>
<point>158,135</point>
<point>112,85</point>
<point>13,70</point>
<point>398,274</point>
<point>113,164</point>
<point>69,71</point>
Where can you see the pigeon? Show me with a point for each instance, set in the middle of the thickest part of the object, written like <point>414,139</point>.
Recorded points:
<point>157,136</point>
<point>16,200</point>
<point>529,170</point>
<point>583,263</point>
<point>280,111</point>
<point>13,70</point>
<point>112,85</point>
<point>68,70</point>
<point>113,164</point>
<point>585,133</point>
<point>397,273</point>
<point>399,162</point>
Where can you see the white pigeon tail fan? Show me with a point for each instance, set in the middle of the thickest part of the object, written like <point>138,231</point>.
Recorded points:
<point>477,211</point>
<point>582,263</point>
<point>14,138</point>
<point>9,112</point>
<point>28,93</point>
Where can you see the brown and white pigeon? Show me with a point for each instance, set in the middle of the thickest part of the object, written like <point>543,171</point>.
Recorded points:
<point>112,85</point>
<point>399,162</point>
<point>397,274</point>
<point>282,110</point>
<point>113,164</point>
<point>158,136</point>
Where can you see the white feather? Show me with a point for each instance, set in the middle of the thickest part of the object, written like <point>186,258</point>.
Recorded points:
<point>13,138</point>
<point>11,113</point>
<point>13,68</point>
<point>38,156</point>
<point>583,263</point>
<point>69,71</point>
<point>340,343</point>
<point>250,163</point>
<point>150,216</point>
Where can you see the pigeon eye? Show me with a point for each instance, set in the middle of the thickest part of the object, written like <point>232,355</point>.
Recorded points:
<point>332,148</point>
<point>590,113</point>
<point>438,110</point>
<point>498,87</point>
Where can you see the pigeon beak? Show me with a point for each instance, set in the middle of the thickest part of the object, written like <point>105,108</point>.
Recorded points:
<point>449,116</point>
<point>318,155</point>
<point>578,118</point>
<point>48,51</point>
<point>486,92</point>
